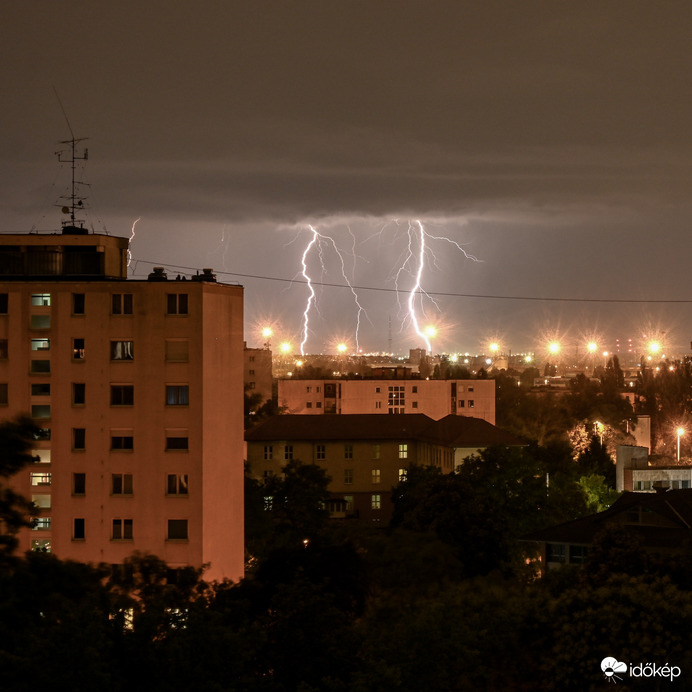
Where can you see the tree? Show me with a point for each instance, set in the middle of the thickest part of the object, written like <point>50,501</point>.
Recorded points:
<point>16,511</point>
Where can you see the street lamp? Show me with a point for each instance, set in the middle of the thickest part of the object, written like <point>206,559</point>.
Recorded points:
<point>599,429</point>
<point>679,432</point>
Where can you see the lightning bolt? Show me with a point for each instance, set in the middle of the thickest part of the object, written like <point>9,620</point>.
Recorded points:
<point>319,240</point>
<point>417,285</point>
<point>132,237</point>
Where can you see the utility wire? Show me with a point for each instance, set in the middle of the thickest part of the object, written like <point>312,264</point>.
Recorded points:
<point>325,284</point>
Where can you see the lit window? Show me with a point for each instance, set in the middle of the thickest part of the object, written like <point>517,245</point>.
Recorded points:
<point>176,484</point>
<point>177,529</point>
<point>41,524</point>
<point>376,475</point>
<point>375,501</point>
<point>176,304</point>
<point>122,529</point>
<point>348,499</point>
<point>40,344</point>
<point>122,350</point>
<point>121,484</point>
<point>40,299</point>
<point>403,475</point>
<point>43,478</point>
<point>41,501</point>
<point>177,395</point>
<point>78,350</point>
<point>121,303</point>
<point>403,451</point>
<point>41,545</point>
<point>471,403</point>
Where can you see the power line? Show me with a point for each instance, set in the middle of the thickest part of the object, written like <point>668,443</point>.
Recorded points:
<point>259,277</point>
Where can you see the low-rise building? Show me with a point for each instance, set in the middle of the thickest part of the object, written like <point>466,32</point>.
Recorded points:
<point>433,398</point>
<point>366,455</point>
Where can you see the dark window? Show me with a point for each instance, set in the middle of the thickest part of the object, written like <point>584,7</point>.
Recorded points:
<point>177,443</point>
<point>3,303</point>
<point>176,303</point>
<point>122,304</point>
<point>121,484</point>
<point>78,349</point>
<point>78,393</point>
<point>40,367</point>
<point>4,352</point>
<point>40,410</point>
<point>122,442</point>
<point>268,452</point>
<point>79,529</point>
<point>176,484</point>
<point>77,303</point>
<point>79,483</point>
<point>78,438</point>
<point>40,322</point>
<point>3,393</point>
<point>177,395</point>
<point>122,529</point>
<point>122,350</point>
<point>40,389</point>
<point>122,395</point>
<point>177,529</point>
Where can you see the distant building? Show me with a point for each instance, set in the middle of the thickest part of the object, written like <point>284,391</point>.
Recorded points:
<point>137,389</point>
<point>637,472</point>
<point>434,398</point>
<point>662,523</point>
<point>257,372</point>
<point>365,455</point>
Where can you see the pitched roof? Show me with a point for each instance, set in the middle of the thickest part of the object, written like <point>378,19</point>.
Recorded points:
<point>451,431</point>
<point>670,525</point>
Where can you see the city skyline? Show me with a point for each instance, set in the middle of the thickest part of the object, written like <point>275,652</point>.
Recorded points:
<point>550,143</point>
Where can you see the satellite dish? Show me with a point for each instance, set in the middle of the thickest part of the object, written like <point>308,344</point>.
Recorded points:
<point>65,210</point>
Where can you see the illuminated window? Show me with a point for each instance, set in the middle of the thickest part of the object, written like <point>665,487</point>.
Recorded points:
<point>42,478</point>
<point>375,475</point>
<point>403,475</point>
<point>41,524</point>
<point>122,350</point>
<point>348,499</point>
<point>403,451</point>
<point>375,501</point>
<point>176,484</point>
<point>78,350</point>
<point>41,501</point>
<point>40,299</point>
<point>472,404</point>
<point>40,344</point>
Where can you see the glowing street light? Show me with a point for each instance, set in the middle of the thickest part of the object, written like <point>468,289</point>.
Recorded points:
<point>679,432</point>
<point>494,348</point>
<point>267,336</point>
<point>592,347</point>
<point>341,348</point>
<point>599,429</point>
<point>286,348</point>
<point>554,347</point>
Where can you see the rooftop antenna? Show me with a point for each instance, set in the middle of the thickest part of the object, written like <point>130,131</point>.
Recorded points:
<point>76,202</point>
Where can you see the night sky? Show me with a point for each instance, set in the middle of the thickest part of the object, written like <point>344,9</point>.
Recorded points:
<point>550,140</point>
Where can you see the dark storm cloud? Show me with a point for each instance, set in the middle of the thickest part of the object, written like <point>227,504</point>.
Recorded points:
<point>509,120</point>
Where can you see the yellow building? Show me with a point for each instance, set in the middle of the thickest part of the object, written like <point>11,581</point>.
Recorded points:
<point>137,387</point>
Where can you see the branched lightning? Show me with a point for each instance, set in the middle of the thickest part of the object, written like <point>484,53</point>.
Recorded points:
<point>132,237</point>
<point>311,297</point>
<point>417,285</point>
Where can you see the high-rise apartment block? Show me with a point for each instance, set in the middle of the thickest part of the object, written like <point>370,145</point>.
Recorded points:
<point>137,387</point>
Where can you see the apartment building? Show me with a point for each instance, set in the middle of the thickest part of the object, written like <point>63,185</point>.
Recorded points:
<point>434,398</point>
<point>137,389</point>
<point>366,455</point>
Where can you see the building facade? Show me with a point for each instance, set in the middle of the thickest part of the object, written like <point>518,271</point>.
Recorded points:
<point>137,389</point>
<point>433,398</point>
<point>366,455</point>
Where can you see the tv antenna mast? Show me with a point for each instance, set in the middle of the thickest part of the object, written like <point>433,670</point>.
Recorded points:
<point>74,199</point>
